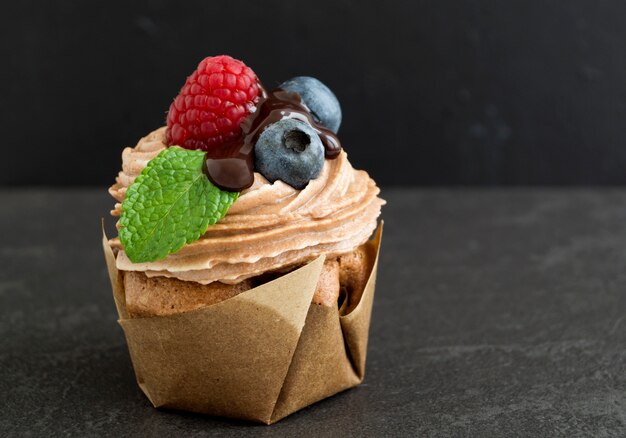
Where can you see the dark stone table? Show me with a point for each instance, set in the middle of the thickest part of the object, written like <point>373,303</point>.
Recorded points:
<point>498,313</point>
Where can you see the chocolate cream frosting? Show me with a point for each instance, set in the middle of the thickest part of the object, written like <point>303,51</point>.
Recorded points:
<point>271,226</point>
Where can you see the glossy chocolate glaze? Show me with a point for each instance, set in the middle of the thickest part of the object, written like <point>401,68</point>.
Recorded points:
<point>231,166</point>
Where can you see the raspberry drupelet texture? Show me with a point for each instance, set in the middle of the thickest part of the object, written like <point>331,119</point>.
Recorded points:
<point>212,104</point>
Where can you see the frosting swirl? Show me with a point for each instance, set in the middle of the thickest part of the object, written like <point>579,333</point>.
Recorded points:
<point>271,226</point>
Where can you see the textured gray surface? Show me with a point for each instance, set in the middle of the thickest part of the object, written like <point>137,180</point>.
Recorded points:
<point>498,313</point>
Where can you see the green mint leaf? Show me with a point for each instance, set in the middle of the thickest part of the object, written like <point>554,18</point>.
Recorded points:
<point>170,204</point>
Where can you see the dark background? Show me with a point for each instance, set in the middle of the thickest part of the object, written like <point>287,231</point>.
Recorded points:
<point>447,92</point>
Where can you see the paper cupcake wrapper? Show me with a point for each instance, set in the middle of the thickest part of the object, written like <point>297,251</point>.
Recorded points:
<point>258,356</point>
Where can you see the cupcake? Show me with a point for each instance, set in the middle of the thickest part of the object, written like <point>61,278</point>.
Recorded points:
<point>243,270</point>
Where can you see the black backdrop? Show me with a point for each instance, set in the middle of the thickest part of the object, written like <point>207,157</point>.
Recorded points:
<point>433,92</point>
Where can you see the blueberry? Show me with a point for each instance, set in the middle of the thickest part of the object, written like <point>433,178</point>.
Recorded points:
<point>322,103</point>
<point>289,150</point>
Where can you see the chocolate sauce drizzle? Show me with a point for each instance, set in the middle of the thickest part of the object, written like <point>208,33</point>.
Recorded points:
<point>231,165</point>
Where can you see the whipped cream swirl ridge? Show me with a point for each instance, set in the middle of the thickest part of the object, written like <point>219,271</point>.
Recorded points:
<point>271,226</point>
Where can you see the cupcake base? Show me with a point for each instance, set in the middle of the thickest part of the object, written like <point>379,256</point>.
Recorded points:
<point>260,355</point>
<point>160,296</point>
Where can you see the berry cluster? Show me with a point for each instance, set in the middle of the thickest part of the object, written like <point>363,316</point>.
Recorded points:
<point>222,92</point>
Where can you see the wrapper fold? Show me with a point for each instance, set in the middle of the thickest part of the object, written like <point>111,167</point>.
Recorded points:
<point>258,356</point>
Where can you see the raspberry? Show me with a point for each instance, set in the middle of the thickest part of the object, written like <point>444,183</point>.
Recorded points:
<point>212,104</point>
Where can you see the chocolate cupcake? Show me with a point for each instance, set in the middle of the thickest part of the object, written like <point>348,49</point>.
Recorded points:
<point>242,273</point>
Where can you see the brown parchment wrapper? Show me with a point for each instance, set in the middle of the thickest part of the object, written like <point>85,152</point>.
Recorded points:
<point>258,356</point>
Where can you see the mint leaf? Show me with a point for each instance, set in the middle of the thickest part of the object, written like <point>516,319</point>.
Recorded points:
<point>170,204</point>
